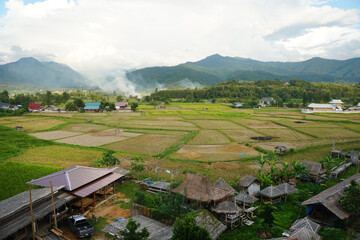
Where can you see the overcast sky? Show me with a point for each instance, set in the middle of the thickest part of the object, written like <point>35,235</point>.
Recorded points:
<point>91,35</point>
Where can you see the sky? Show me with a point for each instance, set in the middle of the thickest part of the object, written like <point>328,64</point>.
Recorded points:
<point>94,36</point>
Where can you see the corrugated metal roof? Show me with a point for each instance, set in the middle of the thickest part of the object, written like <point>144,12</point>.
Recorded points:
<point>73,177</point>
<point>336,101</point>
<point>93,103</point>
<point>96,185</point>
<point>121,104</point>
<point>317,105</point>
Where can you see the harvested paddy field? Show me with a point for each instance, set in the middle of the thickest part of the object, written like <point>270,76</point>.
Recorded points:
<point>52,114</point>
<point>334,132</point>
<point>257,123</point>
<point>99,138</point>
<point>35,124</point>
<point>147,144</point>
<point>243,135</point>
<point>51,135</point>
<point>214,152</point>
<point>270,145</point>
<point>209,137</point>
<point>306,123</point>
<point>201,117</point>
<point>284,134</point>
<point>84,127</point>
<point>59,156</point>
<point>217,124</point>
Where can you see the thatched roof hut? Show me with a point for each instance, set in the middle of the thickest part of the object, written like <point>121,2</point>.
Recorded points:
<point>226,207</point>
<point>271,192</point>
<point>287,188</point>
<point>223,184</point>
<point>198,188</point>
<point>304,234</point>
<point>212,225</point>
<point>315,169</point>
<point>245,198</point>
<point>247,180</point>
<point>305,222</point>
<point>329,198</point>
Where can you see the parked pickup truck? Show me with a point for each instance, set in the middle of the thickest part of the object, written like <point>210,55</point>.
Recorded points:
<point>80,226</point>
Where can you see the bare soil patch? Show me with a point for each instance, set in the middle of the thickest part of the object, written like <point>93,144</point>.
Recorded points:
<point>99,138</point>
<point>51,135</point>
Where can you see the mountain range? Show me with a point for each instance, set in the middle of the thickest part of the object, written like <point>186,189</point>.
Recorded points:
<point>206,72</point>
<point>33,72</point>
<point>217,68</point>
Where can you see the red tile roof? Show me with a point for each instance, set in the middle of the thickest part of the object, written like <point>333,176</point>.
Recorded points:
<point>34,106</point>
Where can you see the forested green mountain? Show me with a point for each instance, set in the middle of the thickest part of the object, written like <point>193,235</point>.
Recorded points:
<point>216,68</point>
<point>31,71</point>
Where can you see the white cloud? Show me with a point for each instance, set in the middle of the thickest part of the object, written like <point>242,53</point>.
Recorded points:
<point>92,35</point>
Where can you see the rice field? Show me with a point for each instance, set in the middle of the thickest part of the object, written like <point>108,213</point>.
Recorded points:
<point>214,153</point>
<point>99,138</point>
<point>334,132</point>
<point>35,124</point>
<point>150,144</point>
<point>284,134</point>
<point>52,135</point>
<point>209,137</point>
<point>217,124</point>
<point>252,123</point>
<point>243,135</point>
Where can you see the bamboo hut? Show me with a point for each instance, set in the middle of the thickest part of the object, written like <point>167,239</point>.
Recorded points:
<point>271,193</point>
<point>315,170</point>
<point>305,222</point>
<point>198,188</point>
<point>304,234</point>
<point>249,184</point>
<point>210,223</point>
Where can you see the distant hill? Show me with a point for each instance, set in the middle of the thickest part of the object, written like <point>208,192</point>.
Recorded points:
<point>216,68</point>
<point>31,71</point>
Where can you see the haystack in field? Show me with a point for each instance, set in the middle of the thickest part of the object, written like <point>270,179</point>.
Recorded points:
<point>198,188</point>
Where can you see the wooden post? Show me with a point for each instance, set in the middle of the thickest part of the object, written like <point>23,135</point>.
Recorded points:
<point>94,199</point>
<point>53,203</point>
<point>32,217</point>
<point>105,191</point>
<point>82,206</point>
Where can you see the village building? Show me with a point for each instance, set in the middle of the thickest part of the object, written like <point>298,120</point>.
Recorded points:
<point>249,185</point>
<point>315,169</point>
<point>238,104</point>
<point>35,107</point>
<point>122,106</point>
<point>51,108</point>
<point>86,183</point>
<point>92,107</point>
<point>271,194</point>
<point>15,221</point>
<point>199,189</point>
<point>324,208</point>
<point>266,102</point>
<point>337,103</point>
<point>4,105</point>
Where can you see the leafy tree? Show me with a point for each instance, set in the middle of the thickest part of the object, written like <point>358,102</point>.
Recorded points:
<point>130,233</point>
<point>186,229</point>
<point>351,200</point>
<point>133,106</point>
<point>108,159</point>
<point>4,96</point>
<point>79,102</point>
<point>299,169</point>
<point>119,98</point>
<point>65,97</point>
<point>71,106</point>
<point>266,212</point>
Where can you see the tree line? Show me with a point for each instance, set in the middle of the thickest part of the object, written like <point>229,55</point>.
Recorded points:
<point>251,92</point>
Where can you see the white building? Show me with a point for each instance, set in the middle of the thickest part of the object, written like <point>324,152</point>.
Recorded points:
<point>266,102</point>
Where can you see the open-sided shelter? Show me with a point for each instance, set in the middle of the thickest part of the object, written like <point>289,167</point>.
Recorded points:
<point>83,182</point>
<point>271,193</point>
<point>324,208</point>
<point>198,188</point>
<point>15,220</point>
<point>315,170</point>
